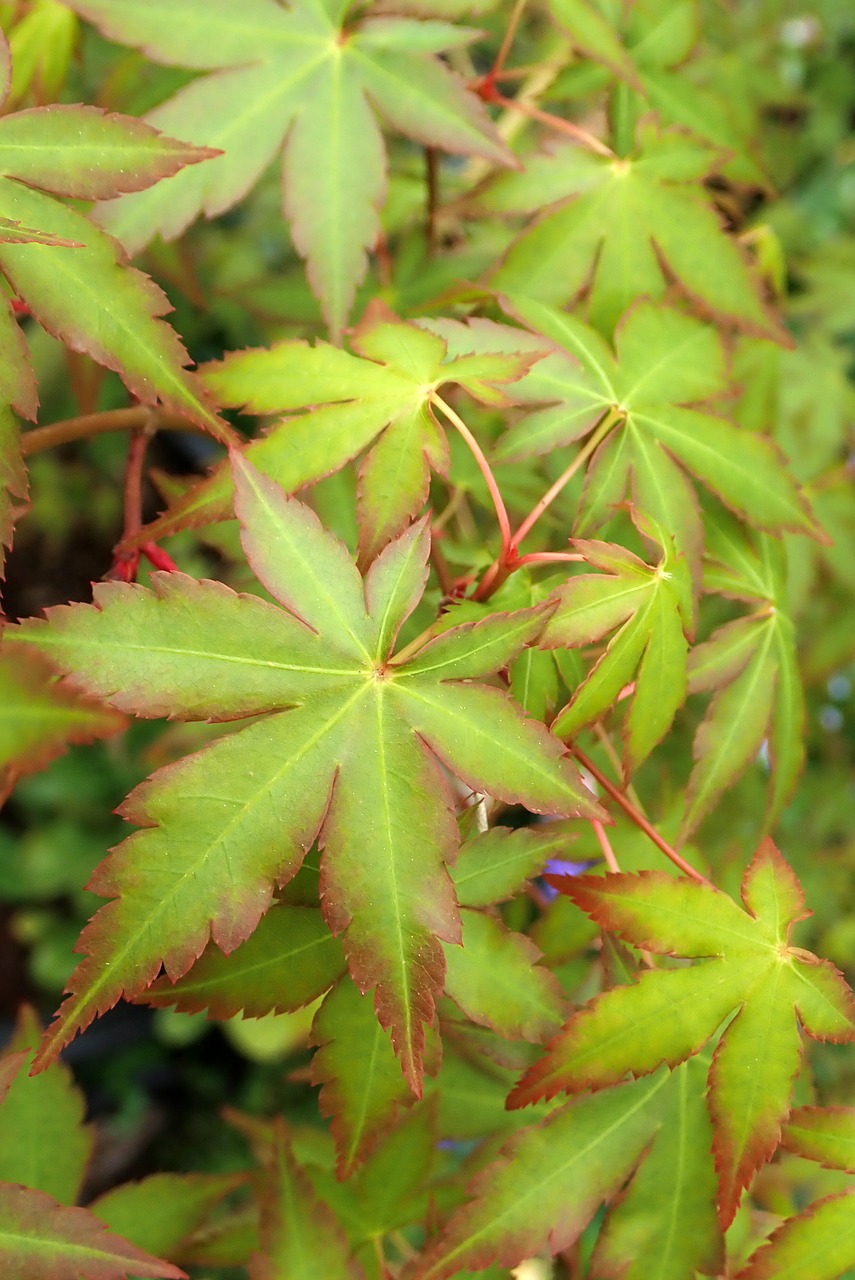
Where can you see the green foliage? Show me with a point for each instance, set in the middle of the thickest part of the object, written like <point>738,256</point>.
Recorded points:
<point>485,664</point>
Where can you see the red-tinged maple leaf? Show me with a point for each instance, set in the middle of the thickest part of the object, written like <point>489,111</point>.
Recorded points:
<point>68,273</point>
<point>42,1238</point>
<point>39,717</point>
<point>350,757</point>
<point>546,1184</point>
<point>72,277</point>
<point>819,1243</point>
<point>302,81</point>
<point>375,399</point>
<point>749,975</point>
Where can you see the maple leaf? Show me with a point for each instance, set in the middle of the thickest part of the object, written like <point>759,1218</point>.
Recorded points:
<point>44,1144</point>
<point>824,1134</point>
<point>667,1015</point>
<point>751,667</point>
<point>642,46</point>
<point>623,227</point>
<point>665,1223</point>
<point>83,294</point>
<point>40,718</point>
<point>66,271</point>
<point>162,1212</point>
<point>296,79</point>
<point>544,1187</point>
<point>644,396</point>
<point>353,761</point>
<point>547,1183</point>
<point>290,960</point>
<point>45,1239</point>
<point>819,1242</point>
<point>653,611</point>
<point>299,1235</point>
<point>362,1089</point>
<point>376,399</point>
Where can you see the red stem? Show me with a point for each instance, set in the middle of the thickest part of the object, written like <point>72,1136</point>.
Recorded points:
<point>546,557</point>
<point>638,818</point>
<point>507,41</point>
<point>573,131</point>
<point>605,844</point>
<point>484,467</point>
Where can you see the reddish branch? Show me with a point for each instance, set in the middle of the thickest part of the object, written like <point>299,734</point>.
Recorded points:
<point>638,818</point>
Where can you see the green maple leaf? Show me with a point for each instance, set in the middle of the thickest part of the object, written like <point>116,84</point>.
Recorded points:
<point>642,46</point>
<point>39,718</point>
<point>376,399</point>
<point>290,960</point>
<point>44,1144</point>
<point>653,610</point>
<point>303,81</point>
<point>622,228</point>
<point>548,1182</point>
<point>162,1212</point>
<point>751,668</point>
<point>362,1089</point>
<point>749,969</point>
<point>649,395</point>
<point>819,1243</point>
<point>665,1224</point>
<point>353,761</point>
<point>300,1236</point>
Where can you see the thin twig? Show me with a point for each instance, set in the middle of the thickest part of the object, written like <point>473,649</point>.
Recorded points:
<point>94,424</point>
<point>605,844</point>
<point>638,818</point>
<point>137,446</point>
<point>432,183</point>
<point>574,131</point>
<point>507,39</point>
<point>602,429</point>
<point>483,466</point>
<point>505,563</point>
<point>547,557</point>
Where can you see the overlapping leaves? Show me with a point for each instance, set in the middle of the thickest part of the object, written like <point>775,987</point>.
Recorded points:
<point>648,394</point>
<point>377,398</point>
<point>44,1152</point>
<point>622,228</point>
<point>65,271</point>
<point>749,970</point>
<point>652,609</point>
<point>354,762</point>
<point>550,1179</point>
<point>298,79</point>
